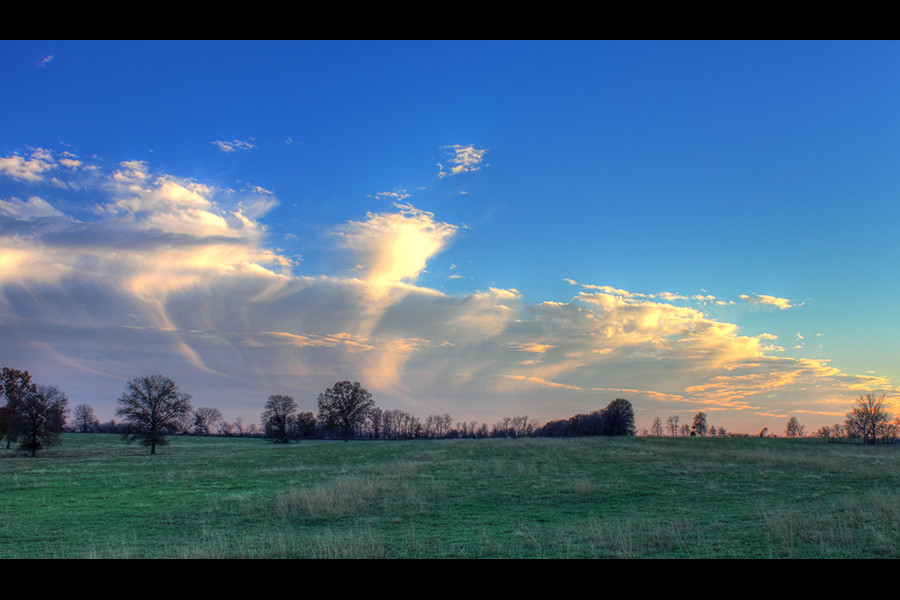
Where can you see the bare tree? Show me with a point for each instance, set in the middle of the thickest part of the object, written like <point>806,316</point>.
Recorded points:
<point>657,427</point>
<point>85,421</point>
<point>305,424</point>
<point>278,418</point>
<point>869,419</point>
<point>205,418</point>
<point>700,425</point>
<point>152,407</point>
<point>40,417</point>
<point>794,428</point>
<point>672,425</point>
<point>14,385</point>
<point>345,405</point>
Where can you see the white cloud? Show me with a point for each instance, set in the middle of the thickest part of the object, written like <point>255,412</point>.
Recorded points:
<point>29,210</point>
<point>393,247</point>
<point>175,276</point>
<point>233,145</point>
<point>462,159</point>
<point>781,303</point>
<point>31,168</point>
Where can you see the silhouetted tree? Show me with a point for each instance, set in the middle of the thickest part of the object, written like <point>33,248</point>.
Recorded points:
<point>152,407</point>
<point>618,418</point>
<point>85,421</point>
<point>39,417</point>
<point>14,386</point>
<point>305,424</point>
<point>794,428</point>
<point>672,425</point>
<point>656,428</point>
<point>699,426</point>
<point>345,405</point>
<point>869,419</point>
<point>277,418</point>
<point>205,418</point>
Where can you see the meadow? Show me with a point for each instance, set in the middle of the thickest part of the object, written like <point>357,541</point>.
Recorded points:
<point>643,497</point>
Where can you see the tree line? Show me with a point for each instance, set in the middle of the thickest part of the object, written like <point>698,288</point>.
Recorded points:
<point>868,422</point>
<point>152,408</point>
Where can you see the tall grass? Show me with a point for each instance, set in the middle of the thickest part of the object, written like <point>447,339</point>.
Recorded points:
<point>94,497</point>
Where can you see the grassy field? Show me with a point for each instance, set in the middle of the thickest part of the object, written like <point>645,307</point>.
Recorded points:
<point>95,497</point>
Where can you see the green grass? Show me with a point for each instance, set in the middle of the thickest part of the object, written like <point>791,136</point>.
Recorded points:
<point>95,497</point>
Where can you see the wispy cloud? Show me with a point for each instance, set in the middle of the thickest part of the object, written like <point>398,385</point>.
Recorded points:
<point>781,303</point>
<point>171,267</point>
<point>233,145</point>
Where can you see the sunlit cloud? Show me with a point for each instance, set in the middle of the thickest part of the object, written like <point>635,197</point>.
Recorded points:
<point>781,303</point>
<point>28,168</point>
<point>462,159</point>
<point>394,247</point>
<point>168,267</point>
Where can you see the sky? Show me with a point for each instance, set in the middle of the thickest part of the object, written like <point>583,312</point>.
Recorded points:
<point>485,229</point>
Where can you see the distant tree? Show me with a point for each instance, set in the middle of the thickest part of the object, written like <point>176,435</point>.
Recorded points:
<point>305,424</point>
<point>672,425</point>
<point>869,419</point>
<point>794,428</point>
<point>657,427</point>
<point>14,386</point>
<point>345,405</point>
<point>700,425</point>
<point>824,432</point>
<point>437,426</point>
<point>205,419</point>
<point>85,421</point>
<point>152,407</point>
<point>278,418</point>
<point>618,418</point>
<point>376,423</point>
<point>39,418</point>
<point>237,428</point>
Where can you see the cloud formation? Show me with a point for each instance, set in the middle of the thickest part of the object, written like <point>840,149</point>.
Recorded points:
<point>233,145</point>
<point>780,303</point>
<point>462,159</point>
<point>166,274</point>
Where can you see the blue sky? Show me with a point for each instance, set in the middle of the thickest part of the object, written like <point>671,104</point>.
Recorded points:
<point>484,229</point>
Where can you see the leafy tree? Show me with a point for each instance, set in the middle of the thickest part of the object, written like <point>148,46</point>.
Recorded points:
<point>794,428</point>
<point>345,405</point>
<point>277,418</point>
<point>14,386</point>
<point>152,407</point>
<point>39,417</point>
<point>700,425</point>
<point>869,419</point>
<point>85,421</point>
